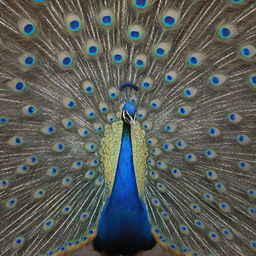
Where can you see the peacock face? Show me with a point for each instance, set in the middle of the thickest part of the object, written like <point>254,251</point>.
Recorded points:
<point>129,113</point>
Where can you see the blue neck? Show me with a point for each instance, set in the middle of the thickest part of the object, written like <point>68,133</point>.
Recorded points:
<point>124,226</point>
<point>125,190</point>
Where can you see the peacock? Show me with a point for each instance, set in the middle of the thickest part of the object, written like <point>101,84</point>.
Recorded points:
<point>128,124</point>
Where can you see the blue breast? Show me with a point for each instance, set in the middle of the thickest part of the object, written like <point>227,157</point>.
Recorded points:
<point>124,226</point>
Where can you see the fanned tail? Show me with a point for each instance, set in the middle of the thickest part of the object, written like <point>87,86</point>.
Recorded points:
<point>67,67</point>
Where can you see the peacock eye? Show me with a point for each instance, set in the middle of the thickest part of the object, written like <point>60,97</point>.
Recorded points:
<point>126,116</point>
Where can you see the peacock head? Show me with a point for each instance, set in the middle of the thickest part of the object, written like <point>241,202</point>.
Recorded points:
<point>129,113</point>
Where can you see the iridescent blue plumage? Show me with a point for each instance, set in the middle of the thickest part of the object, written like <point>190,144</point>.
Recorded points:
<point>124,226</point>
<point>130,109</point>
